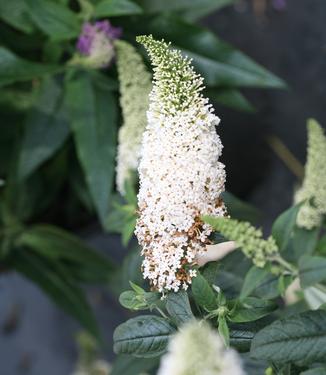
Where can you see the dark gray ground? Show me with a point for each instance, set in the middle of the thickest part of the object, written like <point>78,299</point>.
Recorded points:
<point>35,337</point>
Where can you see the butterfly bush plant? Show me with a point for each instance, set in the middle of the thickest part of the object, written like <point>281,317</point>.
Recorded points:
<point>66,138</point>
<point>219,296</point>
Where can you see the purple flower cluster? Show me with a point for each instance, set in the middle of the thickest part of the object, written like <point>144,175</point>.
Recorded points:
<point>91,31</point>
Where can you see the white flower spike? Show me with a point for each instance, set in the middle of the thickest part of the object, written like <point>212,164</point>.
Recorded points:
<point>313,190</point>
<point>135,86</point>
<point>181,177</point>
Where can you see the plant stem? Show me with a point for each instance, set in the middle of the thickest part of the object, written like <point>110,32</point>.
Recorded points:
<point>161,312</point>
<point>288,266</point>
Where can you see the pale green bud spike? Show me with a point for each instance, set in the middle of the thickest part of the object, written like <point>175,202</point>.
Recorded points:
<point>247,237</point>
<point>176,85</point>
<point>135,86</point>
<point>313,190</point>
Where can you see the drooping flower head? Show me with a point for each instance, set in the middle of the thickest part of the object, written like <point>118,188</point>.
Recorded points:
<point>96,43</point>
<point>246,237</point>
<point>135,86</point>
<point>313,190</point>
<point>181,177</point>
<point>198,350</point>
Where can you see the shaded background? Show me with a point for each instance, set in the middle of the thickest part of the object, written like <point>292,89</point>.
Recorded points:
<point>36,337</point>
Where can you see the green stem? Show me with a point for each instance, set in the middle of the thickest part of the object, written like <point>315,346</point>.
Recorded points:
<point>161,312</point>
<point>288,266</point>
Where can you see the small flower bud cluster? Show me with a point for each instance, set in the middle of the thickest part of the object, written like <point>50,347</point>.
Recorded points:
<point>198,350</point>
<point>95,44</point>
<point>135,86</point>
<point>248,238</point>
<point>181,177</point>
<point>313,190</point>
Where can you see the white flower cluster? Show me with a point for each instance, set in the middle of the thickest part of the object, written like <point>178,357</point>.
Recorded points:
<point>135,86</point>
<point>313,190</point>
<point>198,350</point>
<point>181,177</point>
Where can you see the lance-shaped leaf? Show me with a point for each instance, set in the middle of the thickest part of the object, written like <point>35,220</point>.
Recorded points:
<point>83,262</point>
<point>15,13</point>
<point>219,63</point>
<point>312,270</point>
<point>46,129</point>
<point>15,69</point>
<point>284,225</point>
<point>156,6</point>
<point>54,19</point>
<point>114,8</point>
<point>55,282</point>
<point>93,116</point>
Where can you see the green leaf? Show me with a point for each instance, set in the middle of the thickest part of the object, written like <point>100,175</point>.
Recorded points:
<point>128,230</point>
<point>52,279</point>
<point>241,337</point>
<point>302,242</point>
<point>46,129</point>
<point>93,116</point>
<point>136,288</point>
<point>178,306</point>
<point>239,209</point>
<point>219,63</point>
<point>253,279</point>
<point>230,98</point>
<point>269,287</point>
<point>205,9</point>
<point>298,339</point>
<point>129,299</point>
<point>312,270</point>
<point>156,6</point>
<point>131,193</point>
<point>315,297</point>
<point>14,12</point>
<point>54,19</point>
<point>144,336</point>
<point>203,293</point>
<point>15,69</point>
<point>315,371</point>
<point>56,244</point>
<point>223,330</point>
<point>113,8</point>
<point>250,309</point>
<point>128,365</point>
<point>241,334</point>
<point>284,225</point>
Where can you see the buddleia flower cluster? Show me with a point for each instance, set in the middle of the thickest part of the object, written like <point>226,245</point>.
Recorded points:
<point>95,44</point>
<point>248,238</point>
<point>313,190</point>
<point>135,86</point>
<point>181,177</point>
<point>198,350</point>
